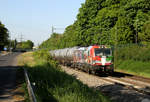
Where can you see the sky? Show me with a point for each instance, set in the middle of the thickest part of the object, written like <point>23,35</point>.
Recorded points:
<point>33,19</point>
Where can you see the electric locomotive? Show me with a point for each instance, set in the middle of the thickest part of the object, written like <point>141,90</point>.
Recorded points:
<point>93,59</point>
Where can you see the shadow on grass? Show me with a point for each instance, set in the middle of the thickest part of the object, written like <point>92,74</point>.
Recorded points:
<point>53,85</point>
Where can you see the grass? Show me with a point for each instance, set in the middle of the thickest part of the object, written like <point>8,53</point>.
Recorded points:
<point>22,59</point>
<point>54,85</point>
<point>26,59</point>
<point>134,59</point>
<point>135,67</point>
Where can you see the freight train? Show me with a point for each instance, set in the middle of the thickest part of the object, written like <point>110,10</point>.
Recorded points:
<point>93,59</point>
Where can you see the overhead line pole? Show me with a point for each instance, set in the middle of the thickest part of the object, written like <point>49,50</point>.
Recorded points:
<point>53,29</point>
<point>21,39</point>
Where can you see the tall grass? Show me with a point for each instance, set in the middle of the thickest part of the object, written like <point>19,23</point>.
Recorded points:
<point>134,59</point>
<point>54,85</point>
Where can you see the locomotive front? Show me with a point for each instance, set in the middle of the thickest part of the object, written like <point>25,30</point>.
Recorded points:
<point>100,57</point>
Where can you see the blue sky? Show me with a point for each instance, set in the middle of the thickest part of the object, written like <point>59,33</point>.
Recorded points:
<point>34,18</point>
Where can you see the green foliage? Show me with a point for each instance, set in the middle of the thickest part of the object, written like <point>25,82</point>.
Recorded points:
<point>53,42</point>
<point>106,22</point>
<point>144,36</point>
<point>134,59</point>
<point>134,52</point>
<point>110,22</point>
<point>69,37</point>
<point>54,85</point>
<point>135,67</point>
<point>3,36</point>
<point>45,55</point>
<point>25,45</point>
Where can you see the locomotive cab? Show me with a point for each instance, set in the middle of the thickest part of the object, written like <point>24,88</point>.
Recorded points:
<point>102,58</point>
<point>103,55</point>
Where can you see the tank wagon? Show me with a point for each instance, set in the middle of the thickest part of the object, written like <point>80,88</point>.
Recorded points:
<point>92,59</point>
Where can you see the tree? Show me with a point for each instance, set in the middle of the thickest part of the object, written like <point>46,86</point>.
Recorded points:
<point>30,44</point>
<point>106,22</point>
<point>53,42</point>
<point>144,36</point>
<point>12,44</point>
<point>25,45</point>
<point>3,36</point>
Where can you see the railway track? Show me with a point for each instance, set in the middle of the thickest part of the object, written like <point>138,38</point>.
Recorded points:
<point>132,82</point>
<point>134,77</point>
<point>139,86</point>
<point>126,79</point>
<point>138,83</point>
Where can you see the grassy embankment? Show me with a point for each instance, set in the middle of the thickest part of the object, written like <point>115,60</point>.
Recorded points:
<point>20,75</point>
<point>134,59</point>
<point>54,85</point>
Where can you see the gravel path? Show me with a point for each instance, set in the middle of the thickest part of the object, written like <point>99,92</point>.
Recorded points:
<point>8,77</point>
<point>116,92</point>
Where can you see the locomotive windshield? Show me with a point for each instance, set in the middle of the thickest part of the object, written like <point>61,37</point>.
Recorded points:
<point>102,51</point>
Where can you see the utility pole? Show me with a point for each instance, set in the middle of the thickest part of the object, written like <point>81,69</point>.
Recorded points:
<point>53,29</point>
<point>15,44</point>
<point>21,39</point>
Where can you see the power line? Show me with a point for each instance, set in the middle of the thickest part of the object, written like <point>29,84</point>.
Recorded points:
<point>21,38</point>
<point>53,29</point>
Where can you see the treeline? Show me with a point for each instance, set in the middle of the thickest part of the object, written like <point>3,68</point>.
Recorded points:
<point>12,44</point>
<point>25,45</point>
<point>4,35</point>
<point>106,22</point>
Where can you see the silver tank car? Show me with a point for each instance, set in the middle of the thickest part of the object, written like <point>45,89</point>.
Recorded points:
<point>64,55</point>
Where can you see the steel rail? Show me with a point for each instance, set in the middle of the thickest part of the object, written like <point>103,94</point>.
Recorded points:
<point>29,87</point>
<point>128,85</point>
